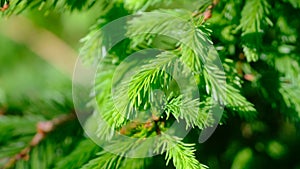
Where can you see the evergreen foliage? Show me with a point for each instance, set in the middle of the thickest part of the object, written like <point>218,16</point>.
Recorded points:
<point>241,55</point>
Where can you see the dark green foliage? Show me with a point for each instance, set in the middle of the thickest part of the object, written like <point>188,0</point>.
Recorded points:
<point>244,58</point>
<point>84,151</point>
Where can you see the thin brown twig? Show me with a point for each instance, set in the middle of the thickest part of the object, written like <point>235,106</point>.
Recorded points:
<point>5,6</point>
<point>208,12</point>
<point>43,128</point>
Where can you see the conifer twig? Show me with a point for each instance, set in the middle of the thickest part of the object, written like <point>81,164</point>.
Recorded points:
<point>208,12</point>
<point>5,6</point>
<point>43,128</point>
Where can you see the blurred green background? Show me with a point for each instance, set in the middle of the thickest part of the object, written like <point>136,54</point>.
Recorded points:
<point>37,56</point>
<point>31,70</point>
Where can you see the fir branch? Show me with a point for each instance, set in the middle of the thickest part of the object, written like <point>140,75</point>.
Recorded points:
<point>103,82</point>
<point>143,5</point>
<point>290,93</point>
<point>205,63</point>
<point>237,102</point>
<point>132,94</point>
<point>254,16</point>
<point>109,159</point>
<point>12,136</point>
<point>156,72</point>
<point>18,6</point>
<point>182,154</point>
<point>104,161</point>
<point>110,118</point>
<point>43,128</point>
<point>254,19</point>
<point>195,49</point>
<point>144,27</point>
<point>289,81</point>
<point>194,112</point>
<point>92,49</point>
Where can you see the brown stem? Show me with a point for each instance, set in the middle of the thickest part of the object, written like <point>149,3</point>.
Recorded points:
<point>208,12</point>
<point>5,6</point>
<point>2,111</point>
<point>43,128</point>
